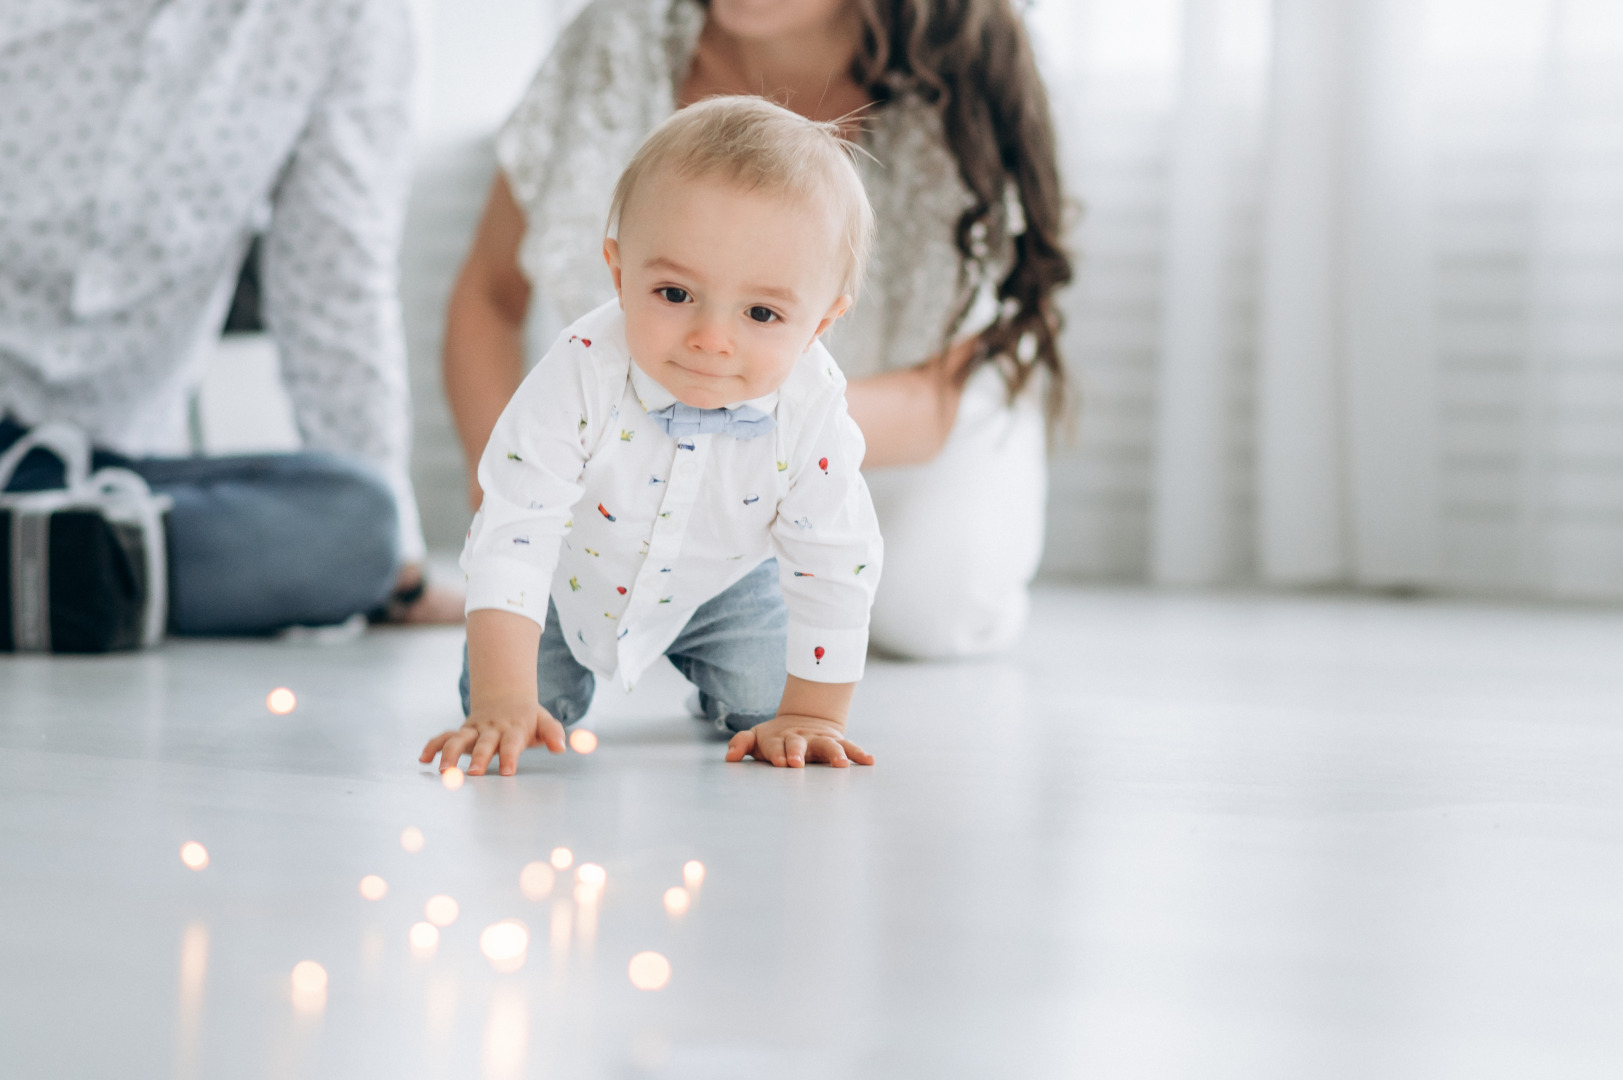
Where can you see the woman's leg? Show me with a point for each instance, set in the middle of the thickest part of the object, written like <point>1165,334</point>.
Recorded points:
<point>732,649</point>
<point>563,687</point>
<point>964,533</point>
<point>262,542</point>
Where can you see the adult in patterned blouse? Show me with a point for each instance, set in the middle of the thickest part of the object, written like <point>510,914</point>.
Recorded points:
<point>142,146</point>
<point>952,349</point>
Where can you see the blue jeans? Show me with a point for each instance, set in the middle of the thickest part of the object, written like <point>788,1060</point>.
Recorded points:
<point>258,542</point>
<point>732,649</point>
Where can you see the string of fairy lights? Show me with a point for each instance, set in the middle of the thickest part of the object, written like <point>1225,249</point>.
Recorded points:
<point>505,943</point>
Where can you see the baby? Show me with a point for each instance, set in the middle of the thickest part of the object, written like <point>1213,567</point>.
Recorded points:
<point>678,476</point>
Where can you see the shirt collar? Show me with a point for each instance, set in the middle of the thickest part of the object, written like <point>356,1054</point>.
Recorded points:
<point>654,397</point>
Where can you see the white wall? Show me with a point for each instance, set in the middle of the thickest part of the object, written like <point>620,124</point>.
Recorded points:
<point>475,59</point>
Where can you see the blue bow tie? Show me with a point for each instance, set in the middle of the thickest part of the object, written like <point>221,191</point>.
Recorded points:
<point>744,422</point>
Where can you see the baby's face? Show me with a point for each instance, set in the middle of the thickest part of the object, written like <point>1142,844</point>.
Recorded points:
<point>723,289</point>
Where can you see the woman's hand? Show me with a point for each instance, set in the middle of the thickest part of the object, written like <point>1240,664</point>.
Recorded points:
<point>792,742</point>
<point>906,415</point>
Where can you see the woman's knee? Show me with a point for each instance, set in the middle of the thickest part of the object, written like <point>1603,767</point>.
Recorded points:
<point>920,620</point>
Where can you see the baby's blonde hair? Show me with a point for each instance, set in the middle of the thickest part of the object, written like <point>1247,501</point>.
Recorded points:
<point>761,147</point>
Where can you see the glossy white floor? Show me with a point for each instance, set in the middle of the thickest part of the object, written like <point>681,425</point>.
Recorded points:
<point>1175,836</point>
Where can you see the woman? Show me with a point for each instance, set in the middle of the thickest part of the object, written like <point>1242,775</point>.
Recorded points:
<point>951,345</point>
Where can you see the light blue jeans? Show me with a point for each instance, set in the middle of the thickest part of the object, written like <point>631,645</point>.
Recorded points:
<point>732,649</point>
<point>258,542</point>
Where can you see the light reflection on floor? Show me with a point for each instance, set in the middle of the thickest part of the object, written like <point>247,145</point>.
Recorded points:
<point>1179,836</point>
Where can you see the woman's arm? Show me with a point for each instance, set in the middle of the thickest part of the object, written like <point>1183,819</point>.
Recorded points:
<point>907,414</point>
<point>484,328</point>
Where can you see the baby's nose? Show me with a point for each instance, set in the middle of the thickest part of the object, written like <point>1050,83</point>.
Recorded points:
<point>709,335</point>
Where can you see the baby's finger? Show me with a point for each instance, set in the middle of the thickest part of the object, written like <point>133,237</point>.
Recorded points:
<point>455,746</point>
<point>856,753</point>
<point>433,746</point>
<point>826,748</point>
<point>512,745</point>
<point>479,758</point>
<point>740,746</point>
<point>770,748</point>
<point>794,749</point>
<point>549,731</point>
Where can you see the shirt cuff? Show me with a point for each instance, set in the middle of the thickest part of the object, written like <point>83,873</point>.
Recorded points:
<point>506,585</point>
<point>831,656</point>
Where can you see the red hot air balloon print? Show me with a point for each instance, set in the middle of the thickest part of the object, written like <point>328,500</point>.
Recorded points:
<point>621,589</point>
<point>822,463</point>
<point>818,653</point>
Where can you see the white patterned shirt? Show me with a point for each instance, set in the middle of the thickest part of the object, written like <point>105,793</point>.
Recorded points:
<point>142,144</point>
<point>629,530</point>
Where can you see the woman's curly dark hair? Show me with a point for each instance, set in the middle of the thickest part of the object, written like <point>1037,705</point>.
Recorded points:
<point>972,60</point>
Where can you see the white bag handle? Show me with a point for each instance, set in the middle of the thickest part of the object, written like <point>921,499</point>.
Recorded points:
<point>120,493</point>
<point>129,488</point>
<point>64,440</point>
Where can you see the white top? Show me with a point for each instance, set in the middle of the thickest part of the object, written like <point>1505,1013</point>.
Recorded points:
<point>142,144</point>
<point>613,76</point>
<point>630,530</point>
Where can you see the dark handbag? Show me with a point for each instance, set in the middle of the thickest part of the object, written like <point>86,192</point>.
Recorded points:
<point>82,567</point>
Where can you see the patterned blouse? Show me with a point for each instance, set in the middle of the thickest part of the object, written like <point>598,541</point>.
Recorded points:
<point>613,75</point>
<point>142,144</point>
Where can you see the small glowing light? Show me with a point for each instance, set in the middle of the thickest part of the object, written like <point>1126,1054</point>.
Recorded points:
<point>650,971</point>
<point>452,778</point>
<point>504,944</point>
<point>536,880</point>
<point>309,986</point>
<point>194,855</point>
<point>582,741</point>
<point>586,920</point>
<point>591,874</point>
<point>411,838</point>
<point>693,873</point>
<point>374,887</point>
<point>440,910</point>
<point>309,977</point>
<point>677,900</point>
<point>424,937</point>
<point>281,701</point>
<point>561,858</point>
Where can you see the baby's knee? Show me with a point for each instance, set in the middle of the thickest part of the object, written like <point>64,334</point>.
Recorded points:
<point>735,699</point>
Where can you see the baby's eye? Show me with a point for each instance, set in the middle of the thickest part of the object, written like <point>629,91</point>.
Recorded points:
<point>673,295</point>
<point>762,314</point>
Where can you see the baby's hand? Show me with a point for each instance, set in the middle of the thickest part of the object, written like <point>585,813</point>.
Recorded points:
<point>793,741</point>
<point>508,728</point>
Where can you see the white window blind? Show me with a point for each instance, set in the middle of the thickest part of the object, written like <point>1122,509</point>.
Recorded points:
<point>1350,306</point>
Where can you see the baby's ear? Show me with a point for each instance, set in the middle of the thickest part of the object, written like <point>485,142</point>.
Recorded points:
<point>835,310</point>
<point>611,255</point>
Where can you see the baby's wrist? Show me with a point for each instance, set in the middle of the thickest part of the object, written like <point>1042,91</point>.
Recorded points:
<point>801,717</point>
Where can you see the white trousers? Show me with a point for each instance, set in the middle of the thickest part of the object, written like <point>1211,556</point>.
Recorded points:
<point>963,533</point>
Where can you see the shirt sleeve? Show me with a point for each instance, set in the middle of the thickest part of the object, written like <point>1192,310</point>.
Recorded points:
<point>331,257</point>
<point>829,549</point>
<point>531,476</point>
